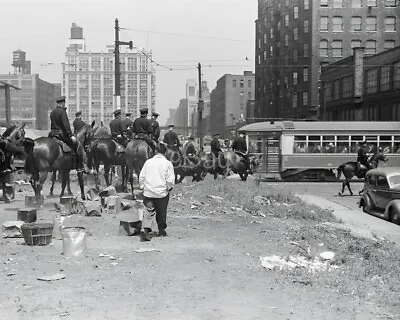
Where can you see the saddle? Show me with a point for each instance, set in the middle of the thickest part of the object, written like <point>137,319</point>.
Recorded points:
<point>120,147</point>
<point>362,167</point>
<point>64,147</point>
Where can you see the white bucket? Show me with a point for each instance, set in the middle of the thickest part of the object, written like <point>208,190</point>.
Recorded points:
<point>74,241</point>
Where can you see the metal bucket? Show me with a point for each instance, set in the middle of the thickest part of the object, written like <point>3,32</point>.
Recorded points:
<point>74,241</point>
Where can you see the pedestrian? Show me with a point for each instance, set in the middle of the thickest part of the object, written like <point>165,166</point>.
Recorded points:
<point>156,179</point>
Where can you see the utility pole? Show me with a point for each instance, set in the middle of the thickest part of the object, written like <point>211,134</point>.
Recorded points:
<point>117,65</point>
<point>200,109</point>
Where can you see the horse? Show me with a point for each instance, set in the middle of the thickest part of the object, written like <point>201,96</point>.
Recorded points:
<point>235,163</point>
<point>187,166</point>
<point>136,152</point>
<point>84,135</point>
<point>215,165</point>
<point>353,168</point>
<point>45,154</point>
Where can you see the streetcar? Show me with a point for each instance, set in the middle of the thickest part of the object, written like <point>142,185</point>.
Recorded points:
<point>313,150</point>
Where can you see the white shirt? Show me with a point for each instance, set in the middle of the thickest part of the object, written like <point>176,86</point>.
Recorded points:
<point>157,177</point>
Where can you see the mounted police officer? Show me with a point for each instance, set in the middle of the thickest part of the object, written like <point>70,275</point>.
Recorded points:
<point>142,128</point>
<point>118,130</point>
<point>191,147</point>
<point>239,145</point>
<point>155,126</point>
<point>61,130</point>
<point>128,124</point>
<point>78,122</point>
<point>362,157</point>
<point>172,140</point>
<point>215,145</point>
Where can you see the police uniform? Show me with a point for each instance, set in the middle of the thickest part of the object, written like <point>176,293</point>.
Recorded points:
<point>215,145</point>
<point>61,130</point>
<point>128,124</point>
<point>155,126</point>
<point>117,128</point>
<point>362,156</point>
<point>142,128</point>
<point>239,145</point>
<point>78,123</point>
<point>190,147</point>
<point>171,138</point>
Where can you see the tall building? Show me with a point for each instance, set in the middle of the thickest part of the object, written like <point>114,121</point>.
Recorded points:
<point>88,80</point>
<point>228,101</point>
<point>294,38</point>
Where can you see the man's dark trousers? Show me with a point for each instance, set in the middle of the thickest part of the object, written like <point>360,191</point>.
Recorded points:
<point>161,205</point>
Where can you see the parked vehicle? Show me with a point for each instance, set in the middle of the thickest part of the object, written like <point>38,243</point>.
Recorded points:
<point>381,194</point>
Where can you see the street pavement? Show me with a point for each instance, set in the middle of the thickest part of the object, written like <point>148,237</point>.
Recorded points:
<point>346,208</point>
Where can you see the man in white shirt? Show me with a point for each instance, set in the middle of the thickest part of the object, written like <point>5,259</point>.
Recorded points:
<point>156,179</point>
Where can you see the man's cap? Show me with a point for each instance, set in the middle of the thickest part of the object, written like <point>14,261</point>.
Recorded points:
<point>144,110</point>
<point>61,99</point>
<point>79,113</point>
<point>216,134</point>
<point>191,137</point>
<point>171,126</point>
<point>155,114</point>
<point>128,114</point>
<point>117,112</point>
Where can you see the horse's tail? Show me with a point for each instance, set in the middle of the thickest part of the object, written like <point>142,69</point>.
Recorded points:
<point>340,170</point>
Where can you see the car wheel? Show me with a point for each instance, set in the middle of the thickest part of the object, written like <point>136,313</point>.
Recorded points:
<point>394,216</point>
<point>364,206</point>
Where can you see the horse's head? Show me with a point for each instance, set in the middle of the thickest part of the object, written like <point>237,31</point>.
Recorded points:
<point>255,161</point>
<point>14,133</point>
<point>86,135</point>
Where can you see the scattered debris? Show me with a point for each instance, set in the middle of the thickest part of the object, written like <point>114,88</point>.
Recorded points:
<point>352,230</point>
<point>52,277</point>
<point>12,229</point>
<point>114,263</point>
<point>142,250</point>
<point>255,221</point>
<point>327,255</point>
<point>262,200</point>
<point>215,197</point>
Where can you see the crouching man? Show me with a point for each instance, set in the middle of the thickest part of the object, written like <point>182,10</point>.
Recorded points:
<point>156,179</point>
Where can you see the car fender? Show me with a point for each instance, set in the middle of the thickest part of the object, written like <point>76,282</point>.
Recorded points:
<point>365,199</point>
<point>394,204</point>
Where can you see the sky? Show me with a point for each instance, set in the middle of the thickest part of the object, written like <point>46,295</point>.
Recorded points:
<point>181,33</point>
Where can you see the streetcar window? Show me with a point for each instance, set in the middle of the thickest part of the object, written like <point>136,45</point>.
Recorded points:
<point>314,147</point>
<point>385,142</point>
<point>300,143</point>
<point>355,143</point>
<point>314,138</point>
<point>328,144</point>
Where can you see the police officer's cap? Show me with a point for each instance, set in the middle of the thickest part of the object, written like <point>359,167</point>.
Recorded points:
<point>216,134</point>
<point>155,114</point>
<point>128,114</point>
<point>79,113</point>
<point>144,111</point>
<point>117,112</point>
<point>171,126</point>
<point>191,138</point>
<point>61,99</point>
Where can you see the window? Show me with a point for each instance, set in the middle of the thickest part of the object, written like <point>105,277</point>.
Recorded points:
<point>295,33</point>
<point>249,83</point>
<point>265,38</point>
<point>356,3</point>
<point>328,91</point>
<point>241,83</point>
<point>337,50</point>
<point>371,24</point>
<point>271,33</point>
<point>248,95</point>
<point>385,78</point>
<point>337,24</point>
<point>355,44</point>
<point>294,100</point>
<point>323,48</point>
<point>372,81</point>
<point>382,182</point>
<point>271,51</point>
<point>371,3</point>
<point>286,20</point>
<point>305,26</point>
<point>390,3</point>
<point>295,78</point>
<point>234,83</point>
<point>324,3</point>
<point>323,24</point>
<point>338,3</point>
<point>306,4</point>
<point>295,55</point>
<point>390,24</point>
<point>347,87</point>
<point>265,55</point>
<point>336,90</point>
<point>295,12</point>
<point>305,50</point>
<point>388,44</point>
<point>355,24</point>
<point>286,40</point>
<point>305,98</point>
<point>396,75</point>
<point>305,74</point>
<point>370,47</point>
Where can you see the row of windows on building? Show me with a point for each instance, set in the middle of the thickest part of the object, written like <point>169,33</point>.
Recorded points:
<point>336,47</point>
<point>241,83</point>
<point>371,24</point>
<point>379,79</point>
<point>373,112</point>
<point>358,3</point>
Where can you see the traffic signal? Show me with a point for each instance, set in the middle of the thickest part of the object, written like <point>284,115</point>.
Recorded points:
<point>131,45</point>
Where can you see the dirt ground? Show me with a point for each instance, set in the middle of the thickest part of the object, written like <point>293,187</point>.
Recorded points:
<point>208,267</point>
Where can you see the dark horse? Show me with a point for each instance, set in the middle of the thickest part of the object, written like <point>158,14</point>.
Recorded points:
<point>137,152</point>
<point>45,154</point>
<point>353,168</point>
<point>9,147</point>
<point>84,135</point>
<point>186,166</point>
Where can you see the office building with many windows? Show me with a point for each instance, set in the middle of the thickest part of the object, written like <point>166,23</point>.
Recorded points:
<point>89,80</point>
<point>294,38</point>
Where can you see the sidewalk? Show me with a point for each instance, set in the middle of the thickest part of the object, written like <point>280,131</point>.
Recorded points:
<point>357,218</point>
